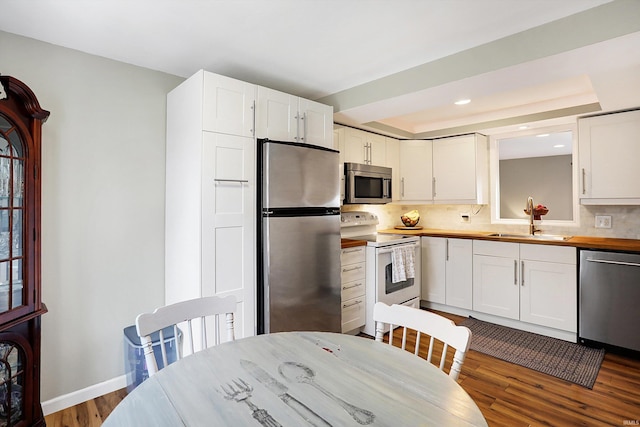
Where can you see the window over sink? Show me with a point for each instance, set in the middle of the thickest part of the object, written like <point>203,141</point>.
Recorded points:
<point>541,163</point>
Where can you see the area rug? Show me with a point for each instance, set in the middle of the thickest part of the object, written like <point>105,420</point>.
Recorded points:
<point>571,362</point>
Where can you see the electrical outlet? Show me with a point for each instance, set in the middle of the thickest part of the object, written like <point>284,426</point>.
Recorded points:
<point>603,221</point>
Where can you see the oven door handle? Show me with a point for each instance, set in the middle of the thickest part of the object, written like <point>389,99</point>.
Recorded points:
<point>386,251</point>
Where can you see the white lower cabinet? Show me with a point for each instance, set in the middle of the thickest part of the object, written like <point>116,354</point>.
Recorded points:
<point>548,290</point>
<point>447,274</point>
<point>353,271</point>
<point>495,278</point>
<point>527,282</point>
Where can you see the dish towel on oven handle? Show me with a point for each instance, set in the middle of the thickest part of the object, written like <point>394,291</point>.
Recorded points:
<point>402,264</point>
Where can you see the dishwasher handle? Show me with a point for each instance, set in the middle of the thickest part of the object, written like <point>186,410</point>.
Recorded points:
<point>606,261</point>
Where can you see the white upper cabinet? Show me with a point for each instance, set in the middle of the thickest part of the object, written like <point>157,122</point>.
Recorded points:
<point>461,170</point>
<point>284,117</point>
<point>315,123</point>
<point>416,170</point>
<point>364,147</point>
<point>228,105</point>
<point>609,149</point>
<point>277,115</point>
<point>393,162</point>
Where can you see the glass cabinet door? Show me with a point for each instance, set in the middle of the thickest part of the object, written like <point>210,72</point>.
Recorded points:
<point>12,158</point>
<point>11,382</point>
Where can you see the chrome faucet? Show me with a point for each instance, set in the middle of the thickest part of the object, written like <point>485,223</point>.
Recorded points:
<point>532,228</point>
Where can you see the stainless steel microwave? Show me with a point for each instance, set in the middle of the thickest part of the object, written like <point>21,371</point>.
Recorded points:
<point>366,184</point>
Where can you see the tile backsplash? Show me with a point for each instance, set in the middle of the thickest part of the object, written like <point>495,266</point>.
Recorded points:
<point>625,220</point>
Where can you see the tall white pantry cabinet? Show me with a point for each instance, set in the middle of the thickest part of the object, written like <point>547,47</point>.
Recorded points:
<point>210,193</point>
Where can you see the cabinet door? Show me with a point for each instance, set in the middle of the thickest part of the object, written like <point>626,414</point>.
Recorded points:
<point>433,269</point>
<point>276,115</point>
<point>228,105</point>
<point>415,170</point>
<point>496,286</point>
<point>315,123</point>
<point>393,162</point>
<point>459,273</point>
<point>609,149</point>
<point>228,223</point>
<point>377,149</point>
<point>454,168</point>
<point>353,314</point>
<point>548,294</point>
<point>355,146</point>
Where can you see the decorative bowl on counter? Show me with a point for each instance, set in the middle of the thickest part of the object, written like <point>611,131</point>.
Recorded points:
<point>410,219</point>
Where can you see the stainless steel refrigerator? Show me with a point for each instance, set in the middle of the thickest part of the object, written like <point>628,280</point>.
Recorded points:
<point>299,238</point>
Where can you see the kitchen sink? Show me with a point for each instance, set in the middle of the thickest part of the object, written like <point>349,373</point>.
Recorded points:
<point>532,237</point>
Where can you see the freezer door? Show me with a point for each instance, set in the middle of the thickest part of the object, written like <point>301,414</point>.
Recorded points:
<point>299,175</point>
<point>302,273</point>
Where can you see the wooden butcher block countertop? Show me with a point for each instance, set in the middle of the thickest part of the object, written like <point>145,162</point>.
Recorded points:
<point>588,242</point>
<point>351,243</point>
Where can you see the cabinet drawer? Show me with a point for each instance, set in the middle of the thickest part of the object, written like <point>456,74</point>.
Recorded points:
<point>352,272</point>
<point>548,253</point>
<point>352,289</point>
<point>353,314</point>
<point>352,255</point>
<point>501,249</point>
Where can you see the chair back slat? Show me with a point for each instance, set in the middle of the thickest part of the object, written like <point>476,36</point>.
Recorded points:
<point>184,313</point>
<point>437,327</point>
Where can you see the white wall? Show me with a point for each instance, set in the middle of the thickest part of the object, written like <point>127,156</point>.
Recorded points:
<point>102,204</point>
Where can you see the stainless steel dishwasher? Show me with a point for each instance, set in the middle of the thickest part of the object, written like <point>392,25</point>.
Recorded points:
<point>609,295</point>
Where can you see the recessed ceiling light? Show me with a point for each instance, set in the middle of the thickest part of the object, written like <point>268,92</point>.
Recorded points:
<point>558,146</point>
<point>462,102</point>
<point>542,135</point>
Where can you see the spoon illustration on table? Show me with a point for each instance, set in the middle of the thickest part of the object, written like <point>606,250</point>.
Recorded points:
<point>297,372</point>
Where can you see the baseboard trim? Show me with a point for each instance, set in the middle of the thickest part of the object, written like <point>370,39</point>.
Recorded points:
<point>79,396</point>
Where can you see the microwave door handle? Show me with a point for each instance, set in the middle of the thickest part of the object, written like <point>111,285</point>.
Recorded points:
<point>387,188</point>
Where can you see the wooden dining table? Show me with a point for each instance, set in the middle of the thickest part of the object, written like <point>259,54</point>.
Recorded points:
<point>297,379</point>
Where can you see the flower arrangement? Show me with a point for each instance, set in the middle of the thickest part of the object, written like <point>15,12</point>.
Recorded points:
<point>538,211</point>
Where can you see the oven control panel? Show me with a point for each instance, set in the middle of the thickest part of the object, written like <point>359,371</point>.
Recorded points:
<point>356,218</point>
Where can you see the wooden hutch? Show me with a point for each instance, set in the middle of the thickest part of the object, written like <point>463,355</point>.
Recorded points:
<point>21,304</point>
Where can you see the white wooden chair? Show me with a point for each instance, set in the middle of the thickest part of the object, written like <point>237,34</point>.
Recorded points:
<point>186,311</point>
<point>424,322</point>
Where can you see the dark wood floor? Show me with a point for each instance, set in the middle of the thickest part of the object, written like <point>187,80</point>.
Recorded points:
<point>508,395</point>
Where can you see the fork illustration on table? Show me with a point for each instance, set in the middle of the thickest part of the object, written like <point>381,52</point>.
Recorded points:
<point>240,391</point>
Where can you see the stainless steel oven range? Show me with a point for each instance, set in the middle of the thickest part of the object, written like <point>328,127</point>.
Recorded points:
<point>380,253</point>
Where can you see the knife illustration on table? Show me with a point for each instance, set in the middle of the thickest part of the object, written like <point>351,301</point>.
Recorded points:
<point>281,391</point>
